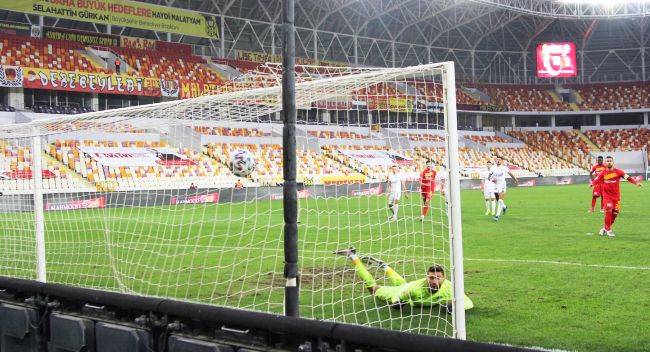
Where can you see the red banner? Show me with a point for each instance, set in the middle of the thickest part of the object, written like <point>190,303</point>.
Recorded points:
<point>92,203</point>
<point>529,183</point>
<point>25,174</point>
<point>90,82</point>
<point>373,191</point>
<point>200,199</point>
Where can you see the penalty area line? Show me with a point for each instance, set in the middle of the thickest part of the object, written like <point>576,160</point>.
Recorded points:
<point>551,262</point>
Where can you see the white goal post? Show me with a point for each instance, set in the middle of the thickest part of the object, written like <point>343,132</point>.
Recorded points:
<point>140,200</point>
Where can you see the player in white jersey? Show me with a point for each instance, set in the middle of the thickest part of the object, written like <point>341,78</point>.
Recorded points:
<point>488,188</point>
<point>396,185</point>
<point>498,176</point>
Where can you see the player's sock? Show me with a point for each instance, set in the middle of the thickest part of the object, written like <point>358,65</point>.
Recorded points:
<point>499,209</point>
<point>487,205</point>
<point>395,209</point>
<point>494,205</point>
<point>425,210</point>
<point>593,202</point>
<point>394,277</point>
<point>614,215</point>
<point>362,273</point>
<point>608,221</point>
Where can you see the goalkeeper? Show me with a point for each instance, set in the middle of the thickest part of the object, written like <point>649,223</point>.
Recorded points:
<point>430,291</point>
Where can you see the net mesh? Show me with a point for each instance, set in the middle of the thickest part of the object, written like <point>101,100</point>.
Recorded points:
<point>140,200</point>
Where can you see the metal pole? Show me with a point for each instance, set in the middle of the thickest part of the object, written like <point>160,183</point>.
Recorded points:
<point>291,298</point>
<point>455,228</point>
<point>39,225</point>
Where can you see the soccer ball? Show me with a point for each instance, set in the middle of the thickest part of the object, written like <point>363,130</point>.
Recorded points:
<point>242,163</point>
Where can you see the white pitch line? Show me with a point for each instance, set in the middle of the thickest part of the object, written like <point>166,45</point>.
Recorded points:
<point>644,268</point>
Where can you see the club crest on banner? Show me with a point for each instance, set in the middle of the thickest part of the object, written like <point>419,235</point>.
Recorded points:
<point>11,76</point>
<point>169,88</point>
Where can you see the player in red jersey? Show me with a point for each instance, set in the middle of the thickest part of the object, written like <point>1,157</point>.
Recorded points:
<point>610,180</point>
<point>598,189</point>
<point>427,187</point>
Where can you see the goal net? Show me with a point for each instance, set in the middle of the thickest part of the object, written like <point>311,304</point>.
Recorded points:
<point>141,200</point>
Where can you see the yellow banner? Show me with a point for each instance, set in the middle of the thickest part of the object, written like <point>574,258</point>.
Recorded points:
<point>400,105</point>
<point>122,13</point>
<point>137,43</point>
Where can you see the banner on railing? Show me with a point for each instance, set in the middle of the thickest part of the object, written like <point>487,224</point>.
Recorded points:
<point>377,157</point>
<point>301,195</point>
<point>131,156</point>
<point>372,191</point>
<point>11,76</point>
<point>85,38</point>
<point>169,88</point>
<point>137,43</point>
<point>122,13</point>
<point>23,174</point>
<point>90,82</point>
<point>198,199</point>
<point>14,29</point>
<point>339,180</point>
<point>92,203</point>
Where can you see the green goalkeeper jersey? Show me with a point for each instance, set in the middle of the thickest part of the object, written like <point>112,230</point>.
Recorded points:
<point>417,293</point>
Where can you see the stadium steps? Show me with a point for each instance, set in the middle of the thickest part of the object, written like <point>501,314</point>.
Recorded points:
<point>94,59</point>
<point>68,171</point>
<point>574,106</point>
<point>592,146</point>
<point>556,97</point>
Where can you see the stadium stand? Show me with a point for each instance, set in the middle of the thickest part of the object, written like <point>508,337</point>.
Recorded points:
<point>486,139</point>
<point>423,137</point>
<point>626,139</point>
<point>168,66</point>
<point>534,161</point>
<point>46,54</point>
<point>311,164</point>
<point>566,145</point>
<point>16,171</point>
<point>175,167</point>
<point>613,96</point>
<point>61,109</point>
<point>524,98</point>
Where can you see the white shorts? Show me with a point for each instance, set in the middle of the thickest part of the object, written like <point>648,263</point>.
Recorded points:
<point>489,192</point>
<point>393,196</point>
<point>500,187</point>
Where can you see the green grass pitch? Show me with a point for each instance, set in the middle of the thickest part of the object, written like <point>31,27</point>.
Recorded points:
<point>541,276</point>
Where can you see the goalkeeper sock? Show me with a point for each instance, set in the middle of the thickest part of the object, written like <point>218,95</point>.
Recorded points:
<point>362,273</point>
<point>394,277</point>
<point>425,210</point>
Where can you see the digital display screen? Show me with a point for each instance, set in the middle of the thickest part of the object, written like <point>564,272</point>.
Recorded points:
<point>556,60</point>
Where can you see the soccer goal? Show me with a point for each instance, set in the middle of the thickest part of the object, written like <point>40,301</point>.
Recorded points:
<point>141,200</point>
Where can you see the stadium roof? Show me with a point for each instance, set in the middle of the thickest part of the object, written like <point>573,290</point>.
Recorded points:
<point>406,32</point>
